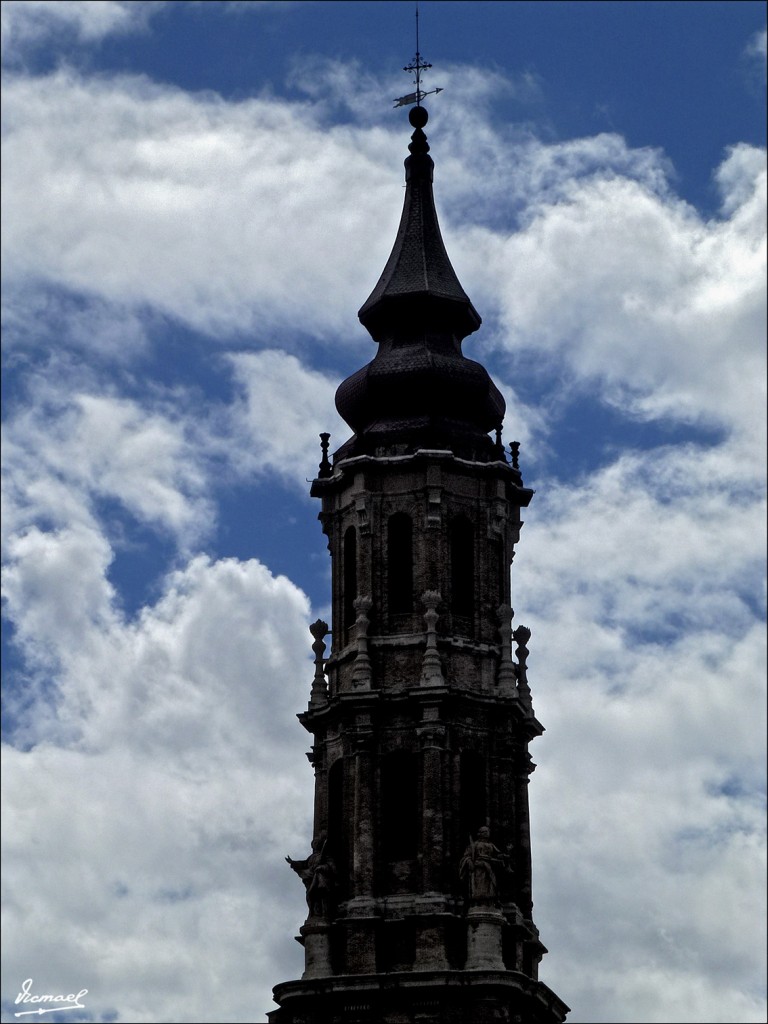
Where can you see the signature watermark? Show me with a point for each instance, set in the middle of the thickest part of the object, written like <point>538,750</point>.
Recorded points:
<point>70,1002</point>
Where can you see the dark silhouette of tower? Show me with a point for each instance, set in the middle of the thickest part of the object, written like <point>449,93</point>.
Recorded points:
<point>419,879</point>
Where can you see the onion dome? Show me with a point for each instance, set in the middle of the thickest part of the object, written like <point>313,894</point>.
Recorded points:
<point>420,390</point>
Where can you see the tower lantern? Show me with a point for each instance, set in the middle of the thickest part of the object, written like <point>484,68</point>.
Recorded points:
<point>418,883</point>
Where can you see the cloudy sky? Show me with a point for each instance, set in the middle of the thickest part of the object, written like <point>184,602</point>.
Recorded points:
<point>197,199</point>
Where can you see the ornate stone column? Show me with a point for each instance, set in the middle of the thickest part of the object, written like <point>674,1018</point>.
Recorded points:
<point>432,740</point>
<point>484,925</point>
<point>523,769</point>
<point>431,667</point>
<point>521,637</point>
<point>506,677</point>
<point>431,926</point>
<point>317,948</point>
<point>319,693</point>
<point>361,673</point>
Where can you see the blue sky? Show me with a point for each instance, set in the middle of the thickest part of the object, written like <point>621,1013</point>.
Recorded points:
<point>197,199</point>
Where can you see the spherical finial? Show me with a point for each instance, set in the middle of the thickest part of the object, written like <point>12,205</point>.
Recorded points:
<point>418,116</point>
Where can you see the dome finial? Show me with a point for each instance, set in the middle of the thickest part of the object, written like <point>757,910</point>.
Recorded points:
<point>419,391</point>
<point>418,269</point>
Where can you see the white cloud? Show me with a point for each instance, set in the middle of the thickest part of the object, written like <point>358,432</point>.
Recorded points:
<point>38,317</point>
<point>647,815</point>
<point>229,217</point>
<point>700,540</point>
<point>758,47</point>
<point>64,451</point>
<point>641,296</point>
<point>188,791</point>
<point>647,666</point>
<point>496,180</point>
<point>146,189</point>
<point>349,86</point>
<point>741,180</point>
<point>28,23</point>
<point>285,406</point>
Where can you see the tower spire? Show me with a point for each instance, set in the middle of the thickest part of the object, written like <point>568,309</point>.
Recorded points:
<point>418,883</point>
<point>418,271</point>
<point>420,389</point>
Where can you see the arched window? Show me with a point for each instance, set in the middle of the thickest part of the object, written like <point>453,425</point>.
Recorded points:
<point>400,563</point>
<point>400,818</point>
<point>350,576</point>
<point>473,792</point>
<point>462,567</point>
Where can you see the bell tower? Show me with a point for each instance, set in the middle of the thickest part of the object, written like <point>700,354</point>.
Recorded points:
<point>419,881</point>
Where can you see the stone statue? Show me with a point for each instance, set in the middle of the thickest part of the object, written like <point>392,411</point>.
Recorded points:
<point>479,864</point>
<point>317,873</point>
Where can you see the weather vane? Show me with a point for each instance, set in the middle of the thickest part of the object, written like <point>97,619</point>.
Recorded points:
<point>416,67</point>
